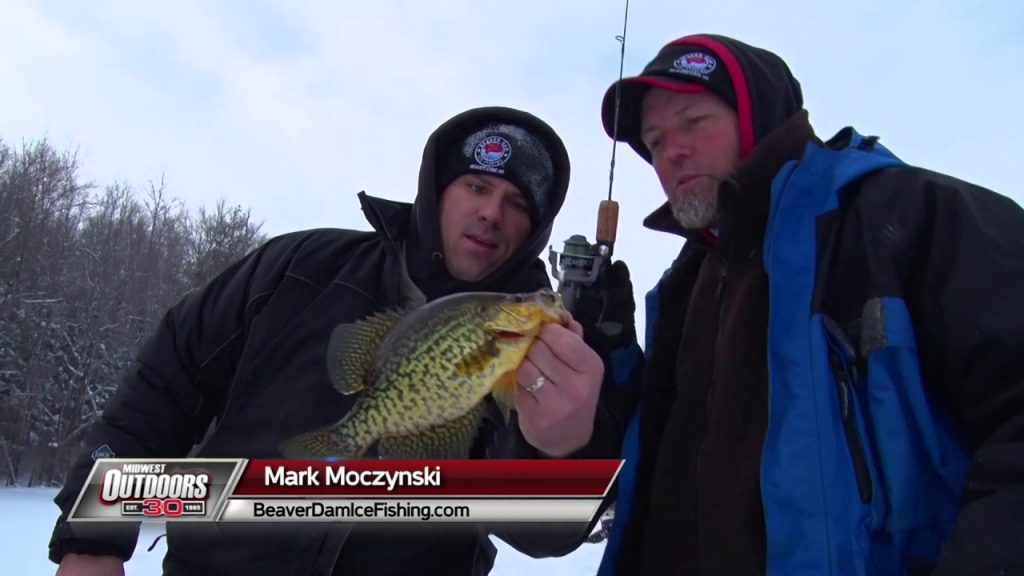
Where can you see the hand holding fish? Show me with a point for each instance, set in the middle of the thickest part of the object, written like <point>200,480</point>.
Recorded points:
<point>557,417</point>
<point>422,376</point>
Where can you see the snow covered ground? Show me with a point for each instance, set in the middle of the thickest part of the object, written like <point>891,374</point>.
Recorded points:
<point>27,516</point>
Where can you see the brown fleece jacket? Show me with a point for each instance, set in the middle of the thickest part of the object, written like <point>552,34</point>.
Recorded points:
<point>705,514</point>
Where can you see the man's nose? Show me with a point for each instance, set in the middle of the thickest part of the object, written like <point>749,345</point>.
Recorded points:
<point>490,209</point>
<point>677,148</point>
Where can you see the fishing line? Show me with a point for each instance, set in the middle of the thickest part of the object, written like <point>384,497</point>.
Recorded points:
<point>618,97</point>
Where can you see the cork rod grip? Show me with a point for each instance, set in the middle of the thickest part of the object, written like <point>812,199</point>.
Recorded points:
<point>607,221</point>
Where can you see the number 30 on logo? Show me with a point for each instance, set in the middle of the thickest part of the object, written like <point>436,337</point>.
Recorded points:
<point>154,507</point>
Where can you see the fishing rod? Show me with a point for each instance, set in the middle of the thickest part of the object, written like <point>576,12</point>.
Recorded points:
<point>580,263</point>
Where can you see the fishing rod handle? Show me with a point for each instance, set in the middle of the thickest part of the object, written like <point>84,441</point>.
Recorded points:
<point>607,222</point>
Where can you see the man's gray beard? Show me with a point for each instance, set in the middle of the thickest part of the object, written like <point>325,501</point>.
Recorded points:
<point>696,211</point>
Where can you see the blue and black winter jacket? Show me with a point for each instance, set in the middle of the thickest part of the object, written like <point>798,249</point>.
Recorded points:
<point>895,372</point>
<point>834,383</point>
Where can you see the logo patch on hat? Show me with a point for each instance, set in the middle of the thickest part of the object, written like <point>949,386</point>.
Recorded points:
<point>695,63</point>
<point>492,151</point>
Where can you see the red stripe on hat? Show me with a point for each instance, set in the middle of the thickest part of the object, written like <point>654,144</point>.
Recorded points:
<point>739,83</point>
<point>667,84</point>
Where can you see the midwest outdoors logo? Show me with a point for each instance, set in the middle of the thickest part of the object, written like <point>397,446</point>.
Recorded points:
<point>698,63</point>
<point>493,151</point>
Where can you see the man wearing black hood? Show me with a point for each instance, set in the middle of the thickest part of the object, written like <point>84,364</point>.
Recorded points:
<point>248,353</point>
<point>835,360</point>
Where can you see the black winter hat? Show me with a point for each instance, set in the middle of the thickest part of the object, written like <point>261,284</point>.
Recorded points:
<point>753,81</point>
<point>506,150</point>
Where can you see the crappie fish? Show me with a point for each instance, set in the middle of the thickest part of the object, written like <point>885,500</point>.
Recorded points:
<point>424,376</point>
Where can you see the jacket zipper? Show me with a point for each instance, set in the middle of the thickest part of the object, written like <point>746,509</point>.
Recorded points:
<point>846,410</point>
<point>723,280</point>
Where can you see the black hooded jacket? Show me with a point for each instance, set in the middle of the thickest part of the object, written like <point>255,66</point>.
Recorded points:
<point>247,353</point>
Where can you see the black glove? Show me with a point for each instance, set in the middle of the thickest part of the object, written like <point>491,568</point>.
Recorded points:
<point>606,310</point>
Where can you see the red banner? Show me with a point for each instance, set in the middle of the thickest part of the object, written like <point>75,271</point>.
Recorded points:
<point>558,478</point>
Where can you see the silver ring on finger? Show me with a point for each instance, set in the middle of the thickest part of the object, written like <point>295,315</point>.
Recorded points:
<point>537,384</point>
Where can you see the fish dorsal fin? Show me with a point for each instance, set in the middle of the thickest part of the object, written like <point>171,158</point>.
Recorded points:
<point>351,351</point>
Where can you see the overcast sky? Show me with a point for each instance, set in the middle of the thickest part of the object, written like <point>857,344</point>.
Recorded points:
<point>291,108</point>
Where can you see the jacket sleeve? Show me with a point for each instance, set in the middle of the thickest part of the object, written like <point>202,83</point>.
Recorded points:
<point>167,400</point>
<point>966,292</point>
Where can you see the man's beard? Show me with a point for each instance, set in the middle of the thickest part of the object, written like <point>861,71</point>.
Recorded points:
<point>697,209</point>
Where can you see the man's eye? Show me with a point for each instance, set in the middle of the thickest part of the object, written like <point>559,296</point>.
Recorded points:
<point>696,120</point>
<point>476,188</point>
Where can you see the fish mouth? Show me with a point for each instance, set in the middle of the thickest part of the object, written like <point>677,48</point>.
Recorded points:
<point>512,325</point>
<point>551,305</point>
<point>523,315</point>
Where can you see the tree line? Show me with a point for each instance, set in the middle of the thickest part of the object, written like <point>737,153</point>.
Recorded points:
<point>86,273</point>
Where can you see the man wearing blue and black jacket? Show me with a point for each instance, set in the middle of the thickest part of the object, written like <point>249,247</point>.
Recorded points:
<point>835,361</point>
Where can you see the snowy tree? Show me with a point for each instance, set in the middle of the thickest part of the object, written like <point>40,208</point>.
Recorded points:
<point>85,276</point>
